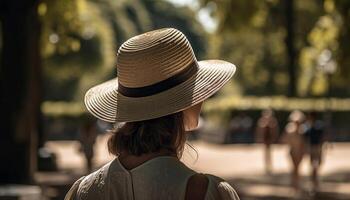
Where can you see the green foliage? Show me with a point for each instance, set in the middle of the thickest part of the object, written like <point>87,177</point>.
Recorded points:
<point>220,108</point>
<point>276,103</point>
<point>252,34</point>
<point>164,14</point>
<point>77,50</point>
<point>323,36</point>
<point>80,39</point>
<point>342,75</point>
<point>238,13</point>
<point>63,109</point>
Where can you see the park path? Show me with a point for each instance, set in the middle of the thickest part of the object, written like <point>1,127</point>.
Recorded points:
<point>241,165</point>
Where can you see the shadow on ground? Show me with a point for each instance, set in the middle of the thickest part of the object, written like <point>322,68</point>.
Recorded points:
<point>335,186</point>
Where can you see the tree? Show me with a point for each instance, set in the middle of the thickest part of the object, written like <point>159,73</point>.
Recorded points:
<point>82,50</point>
<point>251,34</point>
<point>21,89</point>
<point>289,22</point>
<point>277,54</point>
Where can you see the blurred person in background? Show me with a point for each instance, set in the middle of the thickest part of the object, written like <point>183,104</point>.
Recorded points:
<point>315,137</point>
<point>294,136</point>
<point>158,94</point>
<point>267,131</point>
<point>87,137</point>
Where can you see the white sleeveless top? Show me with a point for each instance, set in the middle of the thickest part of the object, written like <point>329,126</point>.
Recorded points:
<point>162,177</point>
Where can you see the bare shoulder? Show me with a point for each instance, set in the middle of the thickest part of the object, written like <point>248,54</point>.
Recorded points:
<point>218,188</point>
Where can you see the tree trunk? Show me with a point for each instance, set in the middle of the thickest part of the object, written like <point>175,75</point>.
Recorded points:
<point>292,68</point>
<point>20,90</point>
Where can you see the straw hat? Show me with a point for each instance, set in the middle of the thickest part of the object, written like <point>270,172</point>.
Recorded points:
<point>158,74</point>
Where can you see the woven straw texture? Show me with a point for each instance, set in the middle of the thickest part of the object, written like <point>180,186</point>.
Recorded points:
<point>148,59</point>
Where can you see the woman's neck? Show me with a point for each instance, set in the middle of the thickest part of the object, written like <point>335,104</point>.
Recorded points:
<point>130,161</point>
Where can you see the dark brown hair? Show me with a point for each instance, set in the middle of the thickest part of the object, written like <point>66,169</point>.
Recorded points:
<point>149,136</point>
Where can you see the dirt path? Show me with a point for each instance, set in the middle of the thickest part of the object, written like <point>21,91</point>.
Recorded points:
<point>242,166</point>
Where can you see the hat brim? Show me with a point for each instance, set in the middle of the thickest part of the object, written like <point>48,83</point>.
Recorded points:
<point>104,102</point>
